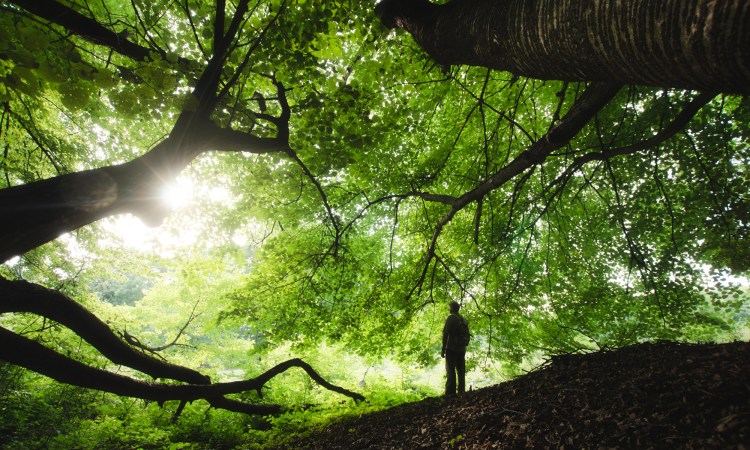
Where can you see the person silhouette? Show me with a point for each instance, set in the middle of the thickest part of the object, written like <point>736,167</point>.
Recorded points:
<point>454,351</point>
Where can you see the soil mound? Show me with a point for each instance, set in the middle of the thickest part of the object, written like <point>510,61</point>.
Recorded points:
<point>654,395</point>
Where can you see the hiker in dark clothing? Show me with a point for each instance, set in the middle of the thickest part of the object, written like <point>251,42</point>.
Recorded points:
<point>455,339</point>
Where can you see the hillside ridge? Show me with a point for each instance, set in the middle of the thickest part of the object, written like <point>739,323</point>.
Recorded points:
<point>651,395</point>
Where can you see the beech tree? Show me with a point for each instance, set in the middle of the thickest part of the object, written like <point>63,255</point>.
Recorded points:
<point>583,211</point>
<point>689,44</point>
<point>37,212</point>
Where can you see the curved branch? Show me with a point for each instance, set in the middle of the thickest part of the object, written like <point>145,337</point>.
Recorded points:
<point>89,29</point>
<point>282,123</point>
<point>334,221</point>
<point>24,352</point>
<point>134,341</point>
<point>593,99</point>
<point>296,362</point>
<point>22,296</point>
<point>674,127</point>
<point>677,125</point>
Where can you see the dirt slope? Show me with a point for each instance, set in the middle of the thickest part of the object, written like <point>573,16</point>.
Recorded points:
<point>661,395</point>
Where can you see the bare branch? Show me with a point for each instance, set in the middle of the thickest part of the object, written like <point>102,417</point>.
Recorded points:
<point>246,60</point>
<point>674,127</point>
<point>24,352</point>
<point>22,296</point>
<point>480,101</point>
<point>591,102</point>
<point>88,28</point>
<point>282,123</point>
<point>134,341</point>
<point>186,8</point>
<point>33,132</point>
<point>594,98</point>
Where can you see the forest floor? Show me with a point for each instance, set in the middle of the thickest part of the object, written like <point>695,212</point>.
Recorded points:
<point>661,395</point>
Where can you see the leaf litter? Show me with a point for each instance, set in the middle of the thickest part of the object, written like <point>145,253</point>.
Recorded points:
<point>651,395</point>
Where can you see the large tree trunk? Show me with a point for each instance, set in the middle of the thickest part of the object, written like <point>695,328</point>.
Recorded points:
<point>36,213</point>
<point>692,44</point>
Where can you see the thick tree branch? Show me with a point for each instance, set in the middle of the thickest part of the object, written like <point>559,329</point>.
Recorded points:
<point>24,352</point>
<point>21,296</point>
<point>88,28</point>
<point>36,213</point>
<point>207,87</point>
<point>593,99</point>
<point>219,25</point>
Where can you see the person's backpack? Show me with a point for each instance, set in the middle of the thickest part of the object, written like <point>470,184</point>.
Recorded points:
<point>463,331</point>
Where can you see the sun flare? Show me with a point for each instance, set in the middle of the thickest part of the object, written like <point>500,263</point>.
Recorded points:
<point>177,194</point>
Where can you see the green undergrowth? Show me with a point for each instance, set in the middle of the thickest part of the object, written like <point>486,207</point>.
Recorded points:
<point>299,423</point>
<point>36,413</point>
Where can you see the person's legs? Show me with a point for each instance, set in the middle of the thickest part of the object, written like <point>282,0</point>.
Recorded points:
<point>461,372</point>
<point>450,373</point>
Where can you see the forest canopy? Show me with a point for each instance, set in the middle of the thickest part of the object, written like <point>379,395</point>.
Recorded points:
<point>257,178</point>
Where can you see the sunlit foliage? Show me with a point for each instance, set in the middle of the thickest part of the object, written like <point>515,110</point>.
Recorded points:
<point>342,251</point>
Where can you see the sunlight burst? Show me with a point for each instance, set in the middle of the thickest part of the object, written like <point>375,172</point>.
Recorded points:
<point>178,194</point>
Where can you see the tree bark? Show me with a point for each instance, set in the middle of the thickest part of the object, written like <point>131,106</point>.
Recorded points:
<point>690,44</point>
<point>87,28</point>
<point>21,296</point>
<point>36,213</point>
<point>24,352</point>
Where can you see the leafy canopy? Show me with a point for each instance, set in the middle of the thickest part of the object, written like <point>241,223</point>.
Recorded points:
<point>630,231</point>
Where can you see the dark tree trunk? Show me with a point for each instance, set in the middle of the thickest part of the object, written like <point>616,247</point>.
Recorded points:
<point>36,213</point>
<point>691,44</point>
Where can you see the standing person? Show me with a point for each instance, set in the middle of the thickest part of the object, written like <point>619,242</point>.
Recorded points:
<point>455,339</point>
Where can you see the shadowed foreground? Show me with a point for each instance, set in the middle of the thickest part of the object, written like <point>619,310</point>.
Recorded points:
<point>662,395</point>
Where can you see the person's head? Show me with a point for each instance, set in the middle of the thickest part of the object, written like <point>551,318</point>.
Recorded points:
<point>454,307</point>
